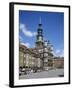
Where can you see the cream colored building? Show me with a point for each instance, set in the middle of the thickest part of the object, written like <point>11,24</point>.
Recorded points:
<point>28,58</point>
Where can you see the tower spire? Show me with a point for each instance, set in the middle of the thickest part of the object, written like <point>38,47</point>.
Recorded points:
<point>39,41</point>
<point>40,20</point>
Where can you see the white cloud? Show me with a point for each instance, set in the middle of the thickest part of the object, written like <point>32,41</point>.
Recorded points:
<point>20,38</point>
<point>26,32</point>
<point>59,52</point>
<point>26,44</point>
<point>62,54</point>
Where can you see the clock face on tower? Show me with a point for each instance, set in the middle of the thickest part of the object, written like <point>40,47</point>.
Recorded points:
<point>40,38</point>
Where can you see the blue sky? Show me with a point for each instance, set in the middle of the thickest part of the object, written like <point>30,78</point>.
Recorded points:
<point>52,24</point>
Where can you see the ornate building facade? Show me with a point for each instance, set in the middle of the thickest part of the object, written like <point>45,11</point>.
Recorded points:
<point>44,48</point>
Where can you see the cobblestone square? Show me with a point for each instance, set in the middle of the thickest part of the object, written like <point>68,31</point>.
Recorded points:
<point>44,74</point>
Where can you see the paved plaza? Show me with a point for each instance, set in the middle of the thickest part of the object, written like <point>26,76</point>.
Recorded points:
<point>44,74</point>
